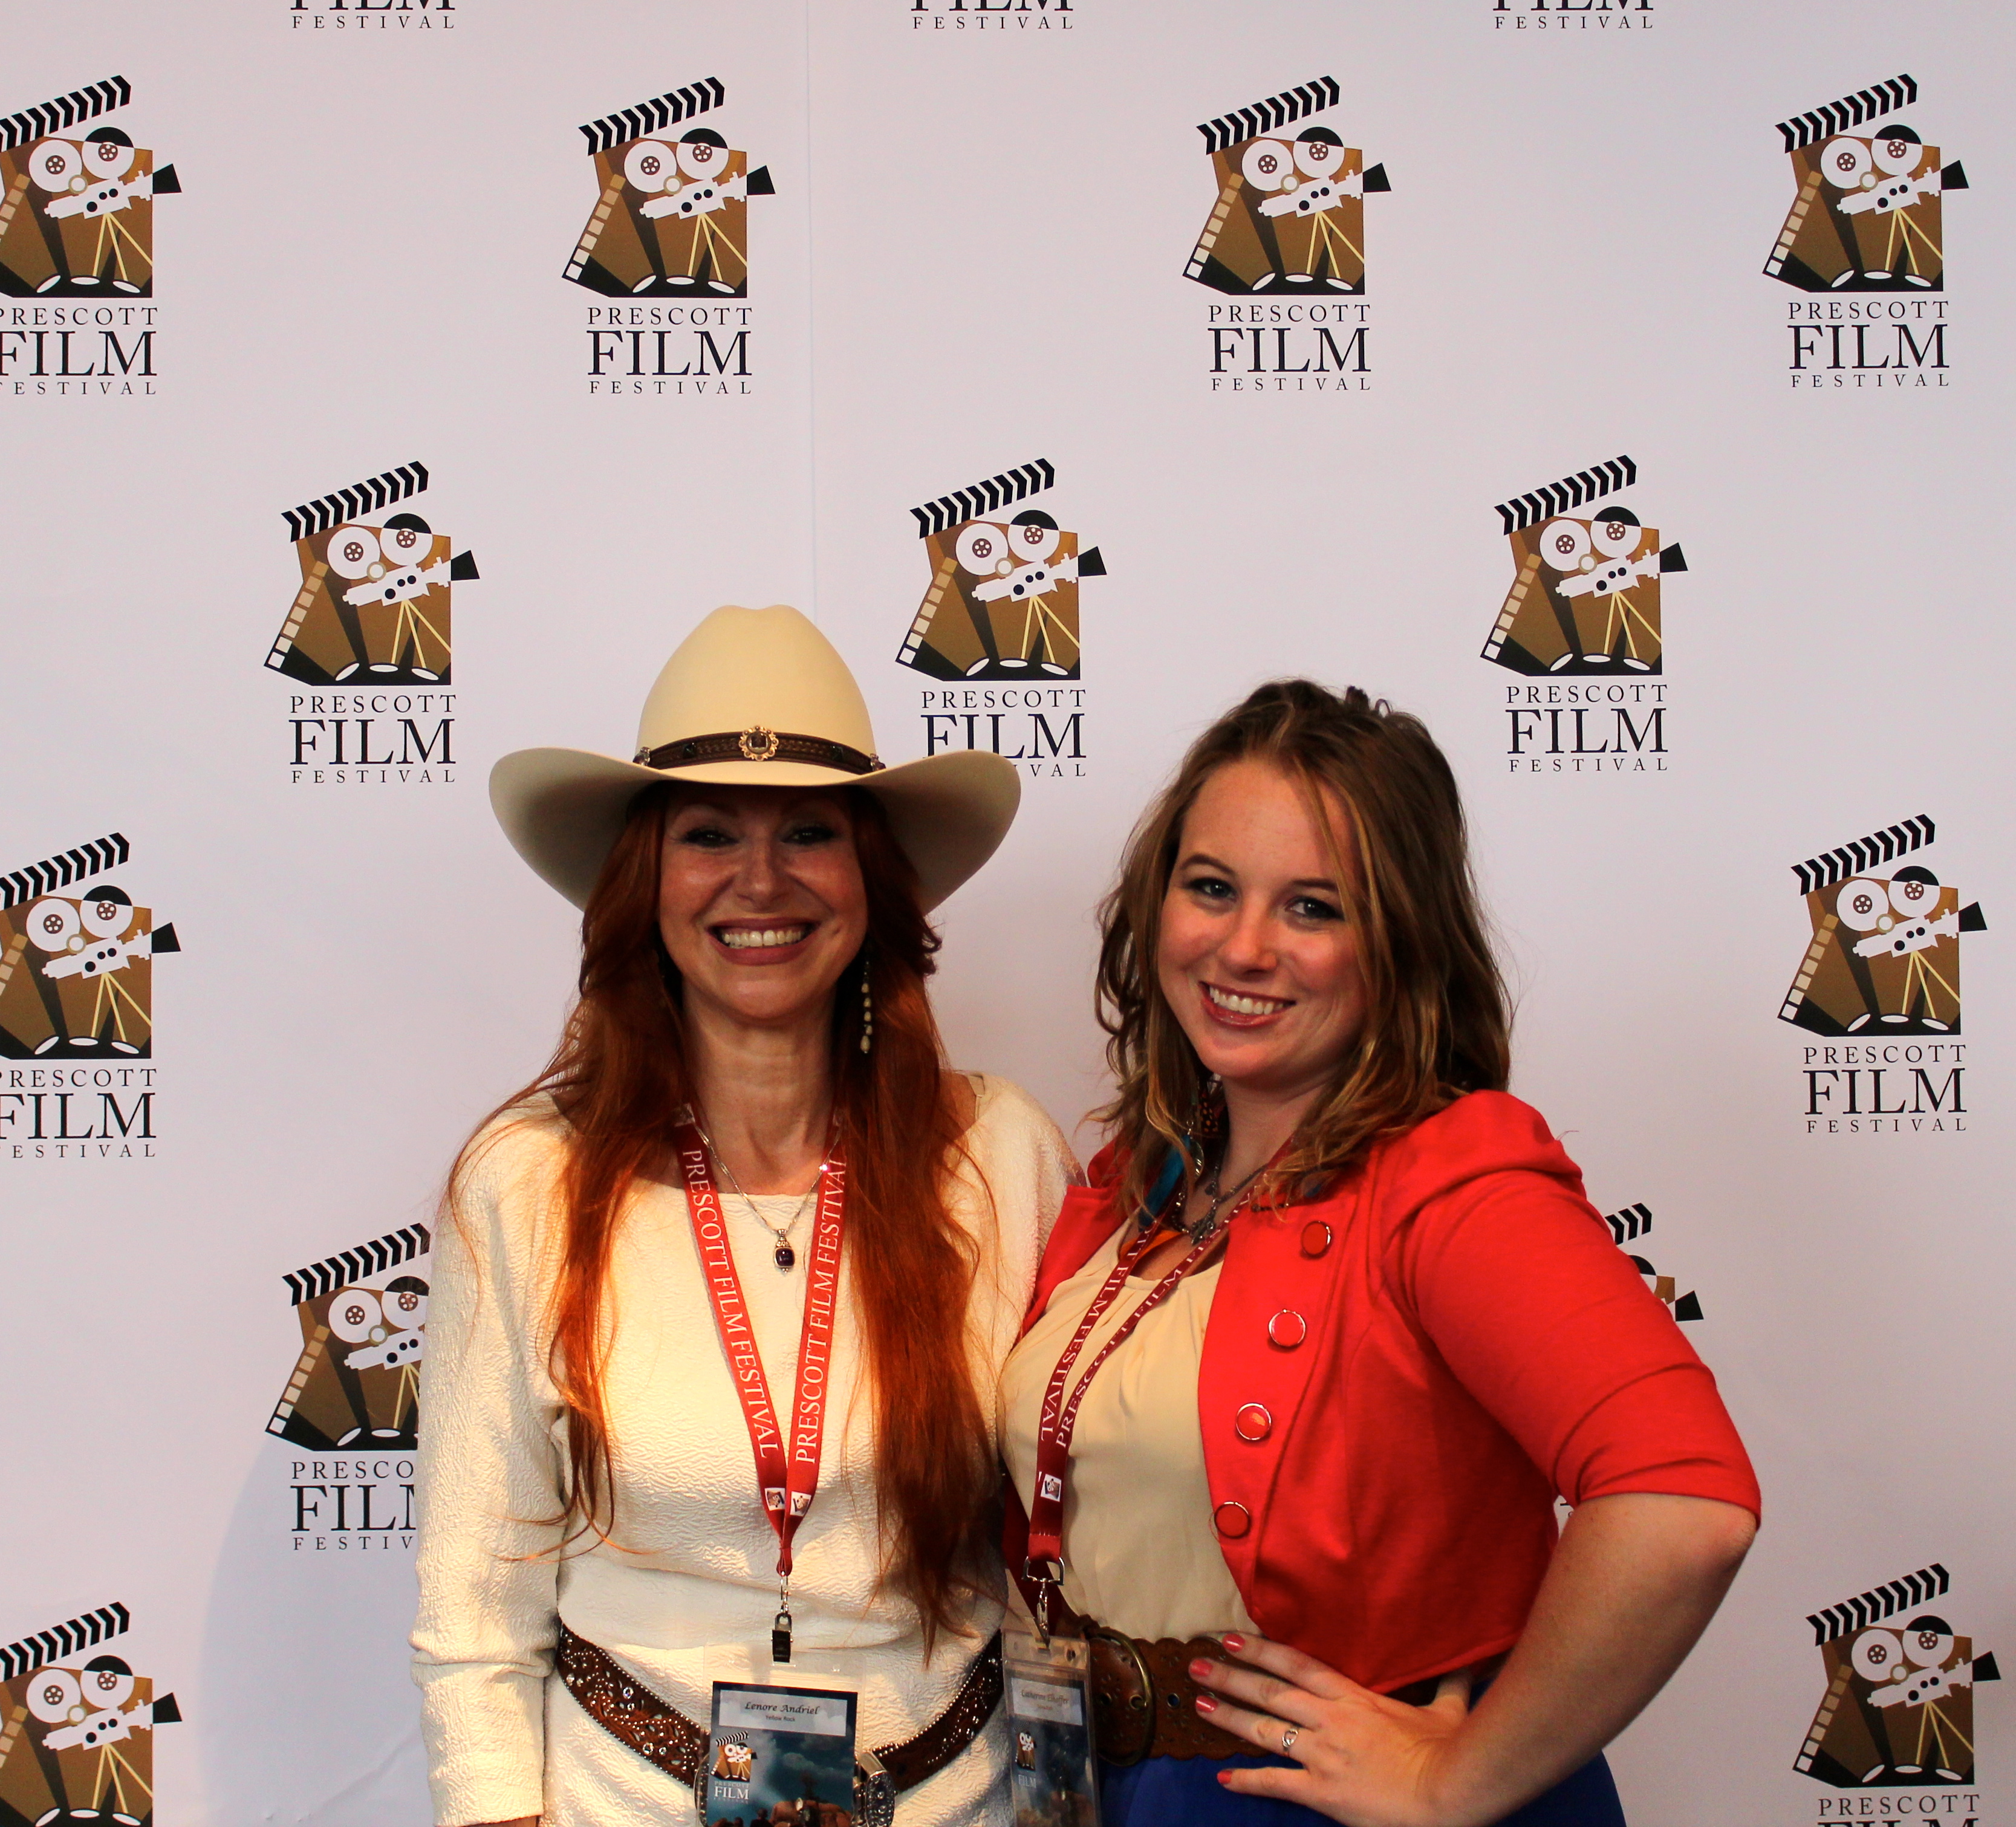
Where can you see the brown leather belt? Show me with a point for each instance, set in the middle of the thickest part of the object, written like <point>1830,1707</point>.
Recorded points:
<point>1144,1703</point>
<point>657,1730</point>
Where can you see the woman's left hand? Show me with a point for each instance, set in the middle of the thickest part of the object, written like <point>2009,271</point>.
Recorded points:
<point>1365,1759</point>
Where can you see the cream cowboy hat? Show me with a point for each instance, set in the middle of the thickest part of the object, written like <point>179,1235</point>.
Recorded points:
<point>753,697</point>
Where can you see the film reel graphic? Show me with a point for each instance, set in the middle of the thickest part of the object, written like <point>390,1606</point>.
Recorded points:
<point>1289,216</point>
<point>77,202</point>
<point>671,219</point>
<point>1585,586</point>
<point>1867,213</point>
<point>1627,1227</point>
<point>363,1315</point>
<point>1884,954</point>
<point>374,605</point>
<point>77,1727</point>
<point>1898,1709</point>
<point>1002,601</point>
<point>77,959</point>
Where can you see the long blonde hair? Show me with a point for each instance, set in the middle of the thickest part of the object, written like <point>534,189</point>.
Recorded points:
<point>1437,1021</point>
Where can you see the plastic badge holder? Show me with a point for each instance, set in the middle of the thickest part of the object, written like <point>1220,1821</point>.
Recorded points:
<point>780,1755</point>
<point>1053,1762</point>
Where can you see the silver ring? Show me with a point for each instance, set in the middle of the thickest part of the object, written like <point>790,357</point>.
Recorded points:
<point>1289,1735</point>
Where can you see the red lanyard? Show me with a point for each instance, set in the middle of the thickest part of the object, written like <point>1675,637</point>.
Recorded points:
<point>787,1454</point>
<point>1058,1418</point>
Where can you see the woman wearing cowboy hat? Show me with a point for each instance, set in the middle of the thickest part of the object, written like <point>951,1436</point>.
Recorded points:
<point>720,1296</point>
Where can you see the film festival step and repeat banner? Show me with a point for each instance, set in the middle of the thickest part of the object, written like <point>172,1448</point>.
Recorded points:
<point>1623,385</point>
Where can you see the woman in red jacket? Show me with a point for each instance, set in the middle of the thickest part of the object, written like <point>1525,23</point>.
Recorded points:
<point>1312,1356</point>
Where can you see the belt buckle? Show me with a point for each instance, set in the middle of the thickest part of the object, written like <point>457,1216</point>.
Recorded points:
<point>874,1792</point>
<point>1150,1718</point>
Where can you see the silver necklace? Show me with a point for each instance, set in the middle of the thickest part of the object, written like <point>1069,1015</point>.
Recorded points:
<point>1208,1223</point>
<point>783,1254</point>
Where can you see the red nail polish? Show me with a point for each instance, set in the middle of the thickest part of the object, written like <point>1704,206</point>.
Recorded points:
<point>1199,1669</point>
<point>1224,1776</point>
<point>1206,1704</point>
<point>1235,1643</point>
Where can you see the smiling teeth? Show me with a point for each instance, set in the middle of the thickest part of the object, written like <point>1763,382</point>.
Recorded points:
<point>1233,1004</point>
<point>754,938</point>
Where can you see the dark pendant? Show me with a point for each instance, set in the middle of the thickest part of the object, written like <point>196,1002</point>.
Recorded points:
<point>787,1256</point>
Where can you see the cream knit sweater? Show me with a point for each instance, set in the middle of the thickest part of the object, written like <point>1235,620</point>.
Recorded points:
<point>684,1595</point>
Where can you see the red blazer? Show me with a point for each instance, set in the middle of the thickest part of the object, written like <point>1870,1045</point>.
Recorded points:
<point>1399,1377</point>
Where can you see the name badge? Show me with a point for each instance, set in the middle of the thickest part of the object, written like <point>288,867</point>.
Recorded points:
<point>1056,1779</point>
<point>781,1755</point>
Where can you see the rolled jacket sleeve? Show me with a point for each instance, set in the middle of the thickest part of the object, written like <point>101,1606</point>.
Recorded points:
<point>489,1481</point>
<point>1548,1326</point>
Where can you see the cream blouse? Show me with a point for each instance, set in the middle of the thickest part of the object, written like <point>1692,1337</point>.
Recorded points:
<point>1140,1555</point>
<point>683,1595</point>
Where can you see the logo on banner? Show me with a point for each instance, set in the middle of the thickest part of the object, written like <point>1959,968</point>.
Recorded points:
<point>404,16</point>
<point>1000,616</point>
<point>1288,228</point>
<point>352,1402</point>
<point>363,1314</point>
<point>1898,1711</point>
<point>77,221</point>
<point>1881,975</point>
<point>373,613</point>
<point>76,1009</point>
<point>671,224</point>
<point>999,15</point>
<point>1867,216</point>
<point>1583,607</point>
<point>1627,1227</point>
<point>77,1727</point>
<point>1542,15</point>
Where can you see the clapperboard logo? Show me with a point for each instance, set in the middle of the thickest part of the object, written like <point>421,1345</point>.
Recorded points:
<point>1898,1709</point>
<point>76,202</point>
<point>1627,1226</point>
<point>373,605</point>
<point>1290,210</point>
<point>671,219</point>
<point>734,1762</point>
<point>1003,602</point>
<point>77,959</point>
<point>77,1727</point>
<point>363,1315</point>
<point>1584,594</point>
<point>1866,214</point>
<point>1885,954</point>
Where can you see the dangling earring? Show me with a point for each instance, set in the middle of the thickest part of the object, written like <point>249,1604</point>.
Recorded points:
<point>867,1010</point>
<point>1207,1120</point>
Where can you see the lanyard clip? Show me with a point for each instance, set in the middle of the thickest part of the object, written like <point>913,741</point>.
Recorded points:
<point>1046,1575</point>
<point>780,1625</point>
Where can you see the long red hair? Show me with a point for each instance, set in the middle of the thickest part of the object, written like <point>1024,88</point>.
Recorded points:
<point>618,1076</point>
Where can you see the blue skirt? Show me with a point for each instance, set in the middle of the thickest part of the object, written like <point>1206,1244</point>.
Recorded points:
<point>1185,1792</point>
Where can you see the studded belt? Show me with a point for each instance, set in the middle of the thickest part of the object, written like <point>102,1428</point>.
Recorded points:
<point>659,1733</point>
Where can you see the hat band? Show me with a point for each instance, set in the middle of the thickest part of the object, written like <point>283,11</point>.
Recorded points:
<point>757,744</point>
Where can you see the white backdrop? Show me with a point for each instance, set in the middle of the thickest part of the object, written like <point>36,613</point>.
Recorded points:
<point>973,259</point>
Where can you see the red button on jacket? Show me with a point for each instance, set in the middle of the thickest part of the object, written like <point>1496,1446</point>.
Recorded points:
<point>1476,1343</point>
